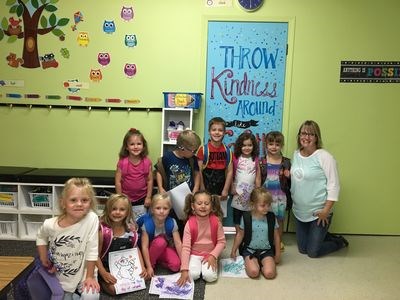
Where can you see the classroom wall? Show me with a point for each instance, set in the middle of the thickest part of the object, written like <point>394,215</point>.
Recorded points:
<point>359,122</point>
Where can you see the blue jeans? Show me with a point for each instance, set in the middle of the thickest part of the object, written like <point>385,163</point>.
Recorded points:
<point>312,238</point>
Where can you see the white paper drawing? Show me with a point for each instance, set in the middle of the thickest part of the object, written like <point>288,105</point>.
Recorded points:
<point>232,268</point>
<point>125,267</point>
<point>165,286</point>
<point>178,195</point>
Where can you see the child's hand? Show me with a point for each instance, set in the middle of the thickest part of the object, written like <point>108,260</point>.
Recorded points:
<point>212,262</point>
<point>48,265</point>
<point>286,173</point>
<point>145,274</point>
<point>150,272</point>
<point>184,278</point>
<point>91,284</point>
<point>108,278</point>
<point>233,255</point>
<point>147,202</point>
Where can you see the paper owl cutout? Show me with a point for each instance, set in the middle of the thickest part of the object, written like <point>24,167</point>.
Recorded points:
<point>109,27</point>
<point>130,40</point>
<point>83,39</point>
<point>130,70</point>
<point>127,13</point>
<point>103,58</point>
<point>95,75</point>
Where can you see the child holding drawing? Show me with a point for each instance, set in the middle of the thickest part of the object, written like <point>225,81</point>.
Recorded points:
<point>117,232</point>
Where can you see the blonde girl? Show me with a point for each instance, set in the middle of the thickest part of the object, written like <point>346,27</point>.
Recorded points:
<point>160,239</point>
<point>203,238</point>
<point>68,244</point>
<point>134,176</point>
<point>117,232</point>
<point>258,237</point>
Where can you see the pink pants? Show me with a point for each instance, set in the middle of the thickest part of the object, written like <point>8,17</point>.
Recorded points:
<point>161,253</point>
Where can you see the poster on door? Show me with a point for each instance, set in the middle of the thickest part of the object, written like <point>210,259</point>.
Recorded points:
<point>245,82</point>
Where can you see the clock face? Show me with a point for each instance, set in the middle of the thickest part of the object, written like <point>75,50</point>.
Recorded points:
<point>250,5</point>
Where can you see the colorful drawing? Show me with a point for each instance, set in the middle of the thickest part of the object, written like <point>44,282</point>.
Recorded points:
<point>232,268</point>
<point>48,61</point>
<point>64,52</point>
<point>166,287</point>
<point>125,267</point>
<point>25,25</point>
<point>109,27</point>
<point>127,13</point>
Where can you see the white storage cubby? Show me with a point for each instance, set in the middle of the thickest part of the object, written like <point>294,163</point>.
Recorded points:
<point>24,207</point>
<point>168,137</point>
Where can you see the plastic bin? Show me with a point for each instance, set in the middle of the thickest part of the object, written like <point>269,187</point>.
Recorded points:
<point>178,99</point>
<point>8,226</point>
<point>8,199</point>
<point>101,203</point>
<point>32,224</point>
<point>41,200</point>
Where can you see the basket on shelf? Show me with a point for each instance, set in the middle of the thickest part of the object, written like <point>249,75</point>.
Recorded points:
<point>32,228</point>
<point>8,228</point>
<point>8,199</point>
<point>42,200</point>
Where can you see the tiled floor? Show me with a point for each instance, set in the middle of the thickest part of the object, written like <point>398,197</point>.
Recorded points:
<point>368,269</point>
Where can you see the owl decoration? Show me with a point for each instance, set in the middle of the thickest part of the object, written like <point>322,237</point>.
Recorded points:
<point>130,70</point>
<point>103,58</point>
<point>83,39</point>
<point>109,27</point>
<point>127,13</point>
<point>130,40</point>
<point>95,75</point>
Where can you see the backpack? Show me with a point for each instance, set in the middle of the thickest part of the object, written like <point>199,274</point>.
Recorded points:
<point>206,151</point>
<point>159,166</point>
<point>107,234</point>
<point>125,166</point>
<point>284,182</point>
<point>148,222</point>
<point>194,228</point>
<point>247,220</point>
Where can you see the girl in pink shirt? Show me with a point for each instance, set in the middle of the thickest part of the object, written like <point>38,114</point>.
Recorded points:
<point>203,238</point>
<point>134,177</point>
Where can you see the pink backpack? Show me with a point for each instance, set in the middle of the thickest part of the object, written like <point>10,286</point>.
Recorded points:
<point>194,228</point>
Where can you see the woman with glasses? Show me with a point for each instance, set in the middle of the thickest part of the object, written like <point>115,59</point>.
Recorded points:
<point>315,189</point>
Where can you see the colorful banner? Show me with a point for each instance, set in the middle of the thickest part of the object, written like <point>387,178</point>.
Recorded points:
<point>370,71</point>
<point>246,64</point>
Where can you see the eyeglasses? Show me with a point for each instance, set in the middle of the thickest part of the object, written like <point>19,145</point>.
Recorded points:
<point>187,149</point>
<point>304,134</point>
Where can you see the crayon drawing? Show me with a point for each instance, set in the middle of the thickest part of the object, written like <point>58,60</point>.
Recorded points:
<point>232,268</point>
<point>165,286</point>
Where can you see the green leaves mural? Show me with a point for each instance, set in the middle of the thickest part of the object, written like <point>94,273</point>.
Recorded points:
<point>23,23</point>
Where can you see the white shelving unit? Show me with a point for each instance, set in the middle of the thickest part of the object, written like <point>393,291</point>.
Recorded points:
<point>173,114</point>
<point>23,207</point>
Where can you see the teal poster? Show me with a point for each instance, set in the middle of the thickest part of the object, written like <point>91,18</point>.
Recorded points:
<point>246,64</point>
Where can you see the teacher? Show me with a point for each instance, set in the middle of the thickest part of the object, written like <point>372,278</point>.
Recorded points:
<point>315,189</point>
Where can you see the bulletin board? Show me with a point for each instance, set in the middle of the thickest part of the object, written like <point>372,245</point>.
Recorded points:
<point>246,63</point>
<point>72,53</point>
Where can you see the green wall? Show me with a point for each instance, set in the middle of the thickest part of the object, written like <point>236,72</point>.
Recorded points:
<point>359,122</point>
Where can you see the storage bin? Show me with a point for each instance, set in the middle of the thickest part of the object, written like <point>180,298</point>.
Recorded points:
<point>41,200</point>
<point>32,224</point>
<point>8,226</point>
<point>178,99</point>
<point>101,203</point>
<point>8,199</point>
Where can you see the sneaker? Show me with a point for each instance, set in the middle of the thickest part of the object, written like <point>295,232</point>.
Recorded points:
<point>180,126</point>
<point>171,126</point>
<point>340,240</point>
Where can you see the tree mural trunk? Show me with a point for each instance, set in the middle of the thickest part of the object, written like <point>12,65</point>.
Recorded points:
<point>30,52</point>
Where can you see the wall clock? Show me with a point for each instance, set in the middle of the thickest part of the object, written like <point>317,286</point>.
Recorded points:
<point>250,5</point>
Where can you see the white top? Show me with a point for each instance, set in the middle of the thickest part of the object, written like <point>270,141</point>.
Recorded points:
<point>315,179</point>
<point>245,179</point>
<point>70,247</point>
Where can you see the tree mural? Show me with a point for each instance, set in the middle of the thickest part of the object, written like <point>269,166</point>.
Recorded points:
<point>32,12</point>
